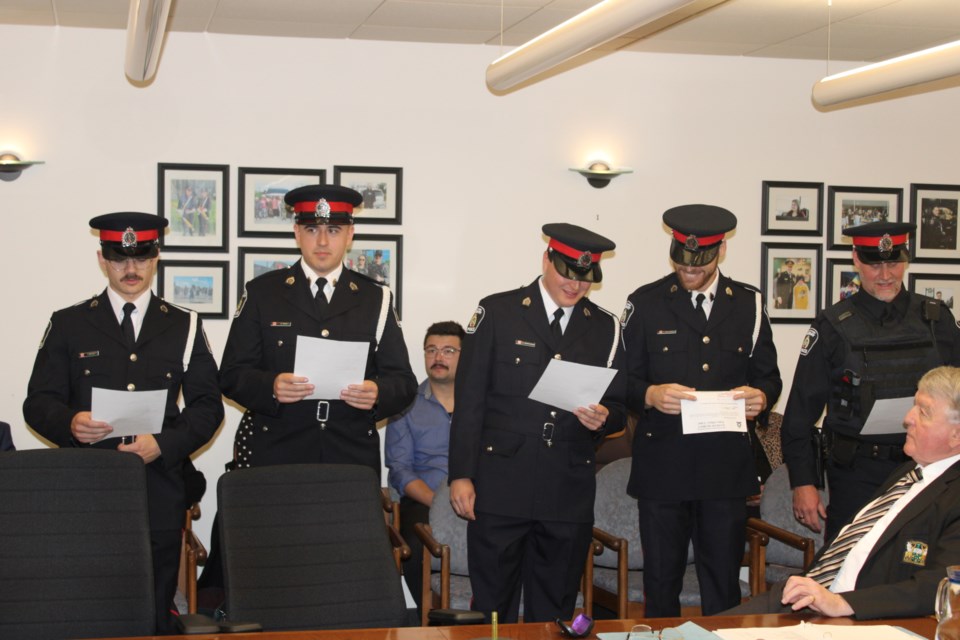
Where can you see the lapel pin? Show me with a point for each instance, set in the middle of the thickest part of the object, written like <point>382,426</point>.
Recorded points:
<point>289,281</point>
<point>673,289</point>
<point>354,287</point>
<point>526,301</point>
<point>728,291</point>
<point>586,312</point>
<point>163,308</point>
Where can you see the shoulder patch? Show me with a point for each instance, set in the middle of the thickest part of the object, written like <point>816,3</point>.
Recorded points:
<point>809,341</point>
<point>206,340</point>
<point>240,305</point>
<point>46,334</point>
<point>475,320</point>
<point>627,313</point>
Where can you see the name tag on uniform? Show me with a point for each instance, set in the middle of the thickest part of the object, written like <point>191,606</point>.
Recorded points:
<point>281,324</point>
<point>666,332</point>
<point>524,343</point>
<point>89,354</point>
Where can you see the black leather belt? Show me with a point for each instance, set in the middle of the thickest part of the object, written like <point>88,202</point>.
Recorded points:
<point>873,451</point>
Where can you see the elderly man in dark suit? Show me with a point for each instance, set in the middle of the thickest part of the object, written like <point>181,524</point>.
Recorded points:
<point>695,330</point>
<point>889,559</point>
<point>523,472</point>
<point>126,338</point>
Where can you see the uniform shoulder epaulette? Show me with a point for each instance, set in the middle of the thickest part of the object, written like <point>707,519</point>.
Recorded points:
<point>85,301</point>
<point>363,276</point>
<point>653,285</point>
<point>503,294</point>
<point>745,285</point>
<point>174,306</point>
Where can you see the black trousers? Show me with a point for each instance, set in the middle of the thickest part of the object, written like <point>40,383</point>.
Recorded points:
<point>165,547</point>
<point>543,558</point>
<point>412,512</point>
<point>718,531</point>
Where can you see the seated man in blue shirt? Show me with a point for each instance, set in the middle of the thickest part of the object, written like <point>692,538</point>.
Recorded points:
<point>418,439</point>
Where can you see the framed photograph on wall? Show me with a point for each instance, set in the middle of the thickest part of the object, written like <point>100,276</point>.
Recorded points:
<point>379,257</point>
<point>842,280</point>
<point>934,209</point>
<point>944,287</point>
<point>853,206</point>
<point>256,261</point>
<point>792,208</point>
<point>261,211</point>
<point>381,188</point>
<point>196,284</point>
<point>195,199</point>
<point>790,281</point>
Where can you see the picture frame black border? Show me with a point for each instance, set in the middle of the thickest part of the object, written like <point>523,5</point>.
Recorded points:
<point>765,228</point>
<point>364,217</point>
<point>912,279</point>
<point>915,235</point>
<point>223,207</point>
<point>242,173</point>
<point>834,237</point>
<point>223,265</point>
<point>832,291</point>
<point>242,254</point>
<point>815,297</point>
<point>397,239</point>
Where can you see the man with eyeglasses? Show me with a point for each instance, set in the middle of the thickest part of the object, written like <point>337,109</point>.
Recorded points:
<point>418,439</point>
<point>523,472</point>
<point>870,347</point>
<point>126,338</point>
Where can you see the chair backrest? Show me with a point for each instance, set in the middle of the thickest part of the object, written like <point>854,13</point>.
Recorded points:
<point>449,529</point>
<point>305,547</point>
<point>616,513</point>
<point>776,507</point>
<point>74,545</point>
<point>6,440</point>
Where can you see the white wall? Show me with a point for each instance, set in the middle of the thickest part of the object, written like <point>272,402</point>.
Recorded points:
<point>481,173</point>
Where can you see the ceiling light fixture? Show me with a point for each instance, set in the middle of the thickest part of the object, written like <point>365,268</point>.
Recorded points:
<point>146,24</point>
<point>936,63</point>
<point>597,25</point>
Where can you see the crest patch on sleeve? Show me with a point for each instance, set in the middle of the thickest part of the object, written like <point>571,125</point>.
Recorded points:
<point>809,341</point>
<point>240,305</point>
<point>46,334</point>
<point>475,320</point>
<point>627,313</point>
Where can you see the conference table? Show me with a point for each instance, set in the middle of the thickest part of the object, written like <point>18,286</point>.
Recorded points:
<point>924,627</point>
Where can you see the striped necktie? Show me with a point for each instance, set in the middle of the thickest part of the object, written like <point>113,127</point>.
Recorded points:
<point>827,568</point>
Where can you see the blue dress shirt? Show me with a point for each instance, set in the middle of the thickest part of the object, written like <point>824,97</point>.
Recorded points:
<point>418,441</point>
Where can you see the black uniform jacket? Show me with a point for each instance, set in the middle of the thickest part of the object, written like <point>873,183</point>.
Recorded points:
<point>277,307</point>
<point>900,576</point>
<point>667,342</point>
<point>528,459</point>
<point>84,348</point>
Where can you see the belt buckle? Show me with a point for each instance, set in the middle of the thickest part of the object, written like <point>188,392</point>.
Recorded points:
<point>323,410</point>
<point>547,434</point>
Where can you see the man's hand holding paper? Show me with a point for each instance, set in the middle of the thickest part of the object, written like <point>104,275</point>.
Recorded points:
<point>334,370</point>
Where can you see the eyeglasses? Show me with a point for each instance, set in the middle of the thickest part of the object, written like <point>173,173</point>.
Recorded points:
<point>137,263</point>
<point>646,632</point>
<point>448,352</point>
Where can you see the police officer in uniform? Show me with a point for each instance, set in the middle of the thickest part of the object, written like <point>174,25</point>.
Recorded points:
<point>873,345</point>
<point>320,298</point>
<point>128,338</point>
<point>695,329</point>
<point>522,472</point>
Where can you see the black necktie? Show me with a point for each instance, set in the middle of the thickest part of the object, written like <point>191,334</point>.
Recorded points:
<point>555,324</point>
<point>321,297</point>
<point>700,310</point>
<point>126,325</point>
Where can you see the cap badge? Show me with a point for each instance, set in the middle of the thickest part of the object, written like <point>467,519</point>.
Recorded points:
<point>129,238</point>
<point>323,208</point>
<point>584,260</point>
<point>886,243</point>
<point>691,243</point>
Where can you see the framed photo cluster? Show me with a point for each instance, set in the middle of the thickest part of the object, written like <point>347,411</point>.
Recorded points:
<point>195,199</point>
<point>791,273</point>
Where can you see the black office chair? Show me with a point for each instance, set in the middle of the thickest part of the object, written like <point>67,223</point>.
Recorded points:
<point>74,545</point>
<point>305,547</point>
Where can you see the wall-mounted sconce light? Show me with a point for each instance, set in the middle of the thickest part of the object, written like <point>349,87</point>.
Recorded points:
<point>11,166</point>
<point>599,174</point>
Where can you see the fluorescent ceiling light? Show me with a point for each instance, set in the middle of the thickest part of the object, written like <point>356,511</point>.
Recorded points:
<point>928,65</point>
<point>146,24</point>
<point>597,25</point>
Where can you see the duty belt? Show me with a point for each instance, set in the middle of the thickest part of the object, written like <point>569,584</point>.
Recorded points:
<point>892,452</point>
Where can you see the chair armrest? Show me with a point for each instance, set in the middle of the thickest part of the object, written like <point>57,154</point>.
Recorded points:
<point>607,540</point>
<point>425,533</point>
<point>801,543</point>
<point>432,547</point>
<point>401,550</point>
<point>390,508</point>
<point>622,547</point>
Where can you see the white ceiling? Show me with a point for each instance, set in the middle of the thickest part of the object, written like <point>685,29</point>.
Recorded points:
<point>861,30</point>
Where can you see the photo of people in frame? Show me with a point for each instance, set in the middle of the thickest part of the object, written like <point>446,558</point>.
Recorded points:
<point>791,283</point>
<point>938,223</point>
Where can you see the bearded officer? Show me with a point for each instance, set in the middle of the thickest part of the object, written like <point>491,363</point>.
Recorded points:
<point>874,345</point>
<point>320,298</point>
<point>128,338</point>
<point>695,329</point>
<point>522,472</point>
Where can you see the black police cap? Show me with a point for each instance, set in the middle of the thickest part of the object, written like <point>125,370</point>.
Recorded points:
<point>129,234</point>
<point>698,230</point>
<point>575,252</point>
<point>881,241</point>
<point>323,204</point>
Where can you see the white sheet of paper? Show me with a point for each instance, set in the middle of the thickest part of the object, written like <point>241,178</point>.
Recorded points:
<point>130,413</point>
<point>713,411</point>
<point>330,365</point>
<point>568,385</point>
<point>887,416</point>
<point>816,631</point>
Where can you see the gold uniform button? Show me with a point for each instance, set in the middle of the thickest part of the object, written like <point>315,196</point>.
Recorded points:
<point>279,343</point>
<point>131,387</point>
<point>553,414</point>
<point>706,339</point>
<point>665,349</point>
<point>86,372</point>
<point>169,376</point>
<point>489,449</point>
<point>517,361</point>
<point>558,357</point>
<point>325,333</point>
<point>739,349</point>
<point>133,357</point>
<point>706,367</point>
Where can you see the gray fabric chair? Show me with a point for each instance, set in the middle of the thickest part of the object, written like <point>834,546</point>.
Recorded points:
<point>74,545</point>
<point>793,546</point>
<point>618,571</point>
<point>306,547</point>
